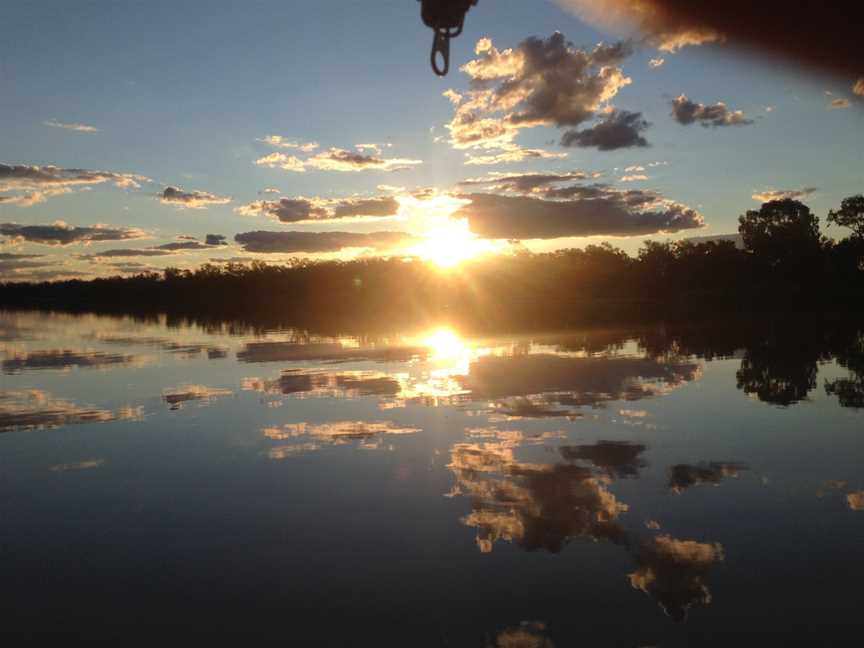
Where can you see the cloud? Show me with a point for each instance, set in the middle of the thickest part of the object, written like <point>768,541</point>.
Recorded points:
<point>655,63</point>
<point>512,153</point>
<point>62,234</point>
<point>782,194</point>
<point>73,126</point>
<point>35,409</point>
<point>281,142</point>
<point>63,359</point>
<point>688,112</point>
<point>594,211</point>
<point>295,210</point>
<point>191,199</point>
<point>839,102</point>
<point>125,252</point>
<point>621,129</point>
<point>684,476</point>
<point>22,177</point>
<point>183,245</point>
<point>215,239</point>
<point>282,161</point>
<point>674,572</point>
<point>185,393</point>
<point>541,82</point>
<point>31,185</point>
<point>523,182</point>
<point>336,159</point>
<point>310,242</point>
<point>634,178</point>
<point>14,263</point>
<point>858,87</point>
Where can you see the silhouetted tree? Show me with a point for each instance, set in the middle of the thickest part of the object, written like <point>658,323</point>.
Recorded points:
<point>850,214</point>
<point>783,241</point>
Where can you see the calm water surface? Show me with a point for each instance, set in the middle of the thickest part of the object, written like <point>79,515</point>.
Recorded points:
<point>666,486</point>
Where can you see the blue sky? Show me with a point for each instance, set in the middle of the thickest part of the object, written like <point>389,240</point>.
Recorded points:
<point>182,93</point>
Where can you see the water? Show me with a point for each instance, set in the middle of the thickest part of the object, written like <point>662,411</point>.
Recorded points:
<point>645,486</point>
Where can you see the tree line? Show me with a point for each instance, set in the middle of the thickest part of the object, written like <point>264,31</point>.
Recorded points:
<point>784,260</point>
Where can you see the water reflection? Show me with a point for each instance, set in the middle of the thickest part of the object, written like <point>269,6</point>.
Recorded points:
<point>308,437</point>
<point>202,394</point>
<point>537,506</point>
<point>65,359</point>
<point>566,446</point>
<point>36,409</point>
<point>674,572</point>
<point>684,476</point>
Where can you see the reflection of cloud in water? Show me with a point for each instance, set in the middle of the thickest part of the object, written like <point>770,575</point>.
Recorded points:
<point>528,634</point>
<point>309,437</point>
<point>87,464</point>
<point>683,476</point>
<point>348,384</point>
<point>616,459</point>
<point>185,393</point>
<point>325,352</point>
<point>64,359</point>
<point>541,384</point>
<point>855,500</point>
<point>537,506</point>
<point>674,571</point>
<point>186,349</point>
<point>34,409</point>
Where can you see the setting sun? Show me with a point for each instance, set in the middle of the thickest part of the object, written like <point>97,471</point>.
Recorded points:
<point>443,239</point>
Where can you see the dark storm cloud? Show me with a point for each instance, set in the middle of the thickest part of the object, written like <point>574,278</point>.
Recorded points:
<point>309,242</point>
<point>191,199</point>
<point>621,129</point>
<point>688,112</point>
<point>612,214</point>
<point>62,234</point>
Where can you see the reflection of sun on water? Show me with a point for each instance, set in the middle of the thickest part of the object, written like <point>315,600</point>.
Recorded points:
<point>443,240</point>
<point>445,345</point>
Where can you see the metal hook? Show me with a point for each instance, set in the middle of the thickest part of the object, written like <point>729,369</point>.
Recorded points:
<point>440,45</point>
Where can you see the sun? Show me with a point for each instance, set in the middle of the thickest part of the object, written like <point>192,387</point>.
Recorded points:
<point>449,243</point>
<point>442,239</point>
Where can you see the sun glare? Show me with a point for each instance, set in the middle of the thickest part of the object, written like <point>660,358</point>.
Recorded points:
<point>445,344</point>
<point>442,239</point>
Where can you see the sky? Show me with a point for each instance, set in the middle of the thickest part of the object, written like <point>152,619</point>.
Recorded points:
<point>137,136</point>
